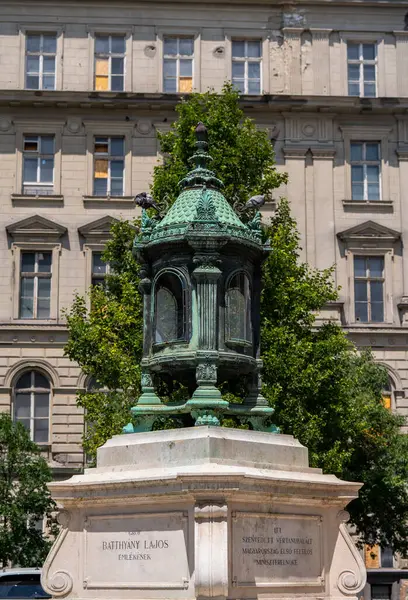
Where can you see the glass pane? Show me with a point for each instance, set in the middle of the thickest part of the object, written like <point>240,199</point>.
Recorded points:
<point>357,173</point>
<point>254,49</point>
<point>354,72</point>
<point>30,169</point>
<point>26,423</point>
<point>352,51</point>
<point>238,69</point>
<point>373,191</point>
<point>43,308</point>
<point>33,64</point>
<point>50,44</point>
<point>360,291</point>
<point>360,266</point>
<point>166,316</point>
<point>98,265</point>
<point>369,90</point>
<point>100,187</point>
<point>185,85</point>
<point>377,312</point>
<point>118,44</point>
<point>25,381</point>
<point>186,46</point>
<point>40,381</point>
<point>117,147</point>
<point>102,83</point>
<point>238,49</point>
<point>101,167</point>
<point>354,89</point>
<point>102,66</point>
<point>46,170</point>
<point>117,66</point>
<point>28,262</point>
<point>170,46</point>
<point>117,168</point>
<point>357,191</point>
<point>27,298</point>
<point>101,144</point>
<point>48,82</point>
<point>170,68</point>
<point>381,592</point>
<point>373,174</point>
<point>49,64</point>
<point>117,83</point>
<point>44,288</point>
<point>369,51</point>
<point>170,85</point>
<point>27,286</point>
<point>33,43</point>
<point>356,152</point>
<point>254,70</point>
<point>41,431</point>
<point>239,85</point>
<point>41,405</point>
<point>376,289</point>
<point>47,144</point>
<point>372,151</point>
<point>44,262</point>
<point>369,72</point>
<point>254,87</point>
<point>361,311</point>
<point>102,44</point>
<point>376,266</point>
<point>22,406</point>
<point>117,187</point>
<point>186,68</point>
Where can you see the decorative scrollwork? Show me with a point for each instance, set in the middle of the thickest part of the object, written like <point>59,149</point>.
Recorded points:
<point>60,583</point>
<point>205,207</point>
<point>146,380</point>
<point>206,372</point>
<point>349,583</point>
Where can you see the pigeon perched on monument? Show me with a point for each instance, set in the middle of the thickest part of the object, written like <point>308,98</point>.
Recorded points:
<point>146,200</point>
<point>255,202</point>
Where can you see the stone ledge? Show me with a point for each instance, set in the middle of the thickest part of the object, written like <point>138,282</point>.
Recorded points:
<point>32,198</point>
<point>109,199</point>
<point>368,205</point>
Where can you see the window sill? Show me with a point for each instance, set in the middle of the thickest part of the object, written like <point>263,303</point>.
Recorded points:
<point>31,198</point>
<point>368,205</point>
<point>110,199</point>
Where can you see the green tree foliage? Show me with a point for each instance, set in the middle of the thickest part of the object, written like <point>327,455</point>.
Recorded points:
<point>324,392</point>
<point>24,498</point>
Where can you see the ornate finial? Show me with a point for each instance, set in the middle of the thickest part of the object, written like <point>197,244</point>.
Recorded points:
<point>201,175</point>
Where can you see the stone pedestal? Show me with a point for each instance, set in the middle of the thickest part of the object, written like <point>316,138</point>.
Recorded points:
<point>203,512</point>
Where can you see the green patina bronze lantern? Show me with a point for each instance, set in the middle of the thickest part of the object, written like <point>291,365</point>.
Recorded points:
<point>200,280</point>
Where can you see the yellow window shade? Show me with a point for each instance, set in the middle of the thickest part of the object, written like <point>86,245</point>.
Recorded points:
<point>372,557</point>
<point>101,147</point>
<point>102,83</point>
<point>387,401</point>
<point>186,84</point>
<point>102,66</point>
<point>101,169</point>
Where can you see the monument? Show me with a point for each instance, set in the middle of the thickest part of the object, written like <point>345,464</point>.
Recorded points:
<point>203,511</point>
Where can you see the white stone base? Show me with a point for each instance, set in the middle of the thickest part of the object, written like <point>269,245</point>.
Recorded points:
<point>203,512</point>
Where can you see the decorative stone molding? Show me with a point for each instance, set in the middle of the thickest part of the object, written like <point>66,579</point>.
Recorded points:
<point>98,231</point>
<point>211,549</point>
<point>294,152</point>
<point>378,206</point>
<point>144,126</point>
<point>323,153</point>
<point>351,581</point>
<point>60,582</point>
<point>369,231</point>
<point>36,229</point>
<point>6,124</point>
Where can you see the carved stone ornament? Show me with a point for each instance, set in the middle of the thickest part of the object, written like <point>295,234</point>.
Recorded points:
<point>5,124</point>
<point>350,581</point>
<point>211,534</point>
<point>206,372</point>
<point>74,125</point>
<point>58,583</point>
<point>144,126</point>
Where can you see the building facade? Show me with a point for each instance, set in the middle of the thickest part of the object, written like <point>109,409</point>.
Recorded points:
<point>84,88</point>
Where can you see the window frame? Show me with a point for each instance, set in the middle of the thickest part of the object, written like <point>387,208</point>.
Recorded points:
<point>365,163</point>
<point>32,390</point>
<point>178,57</point>
<point>46,29</point>
<point>39,155</point>
<point>99,277</point>
<point>369,38</point>
<point>41,54</point>
<point>367,279</point>
<point>248,339</point>
<point>185,306</point>
<point>361,62</point>
<point>36,275</point>
<point>246,60</point>
<point>249,35</point>
<point>114,30</point>
<point>179,31</point>
<point>109,157</point>
<point>109,55</point>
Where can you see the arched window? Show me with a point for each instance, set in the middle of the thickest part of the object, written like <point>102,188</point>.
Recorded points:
<point>238,308</point>
<point>32,405</point>
<point>170,309</point>
<point>388,394</point>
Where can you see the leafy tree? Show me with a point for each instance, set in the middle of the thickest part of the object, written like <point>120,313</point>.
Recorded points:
<point>24,498</point>
<point>324,392</point>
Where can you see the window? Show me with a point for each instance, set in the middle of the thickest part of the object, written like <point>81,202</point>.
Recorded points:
<point>99,269</point>
<point>35,285</point>
<point>170,309</point>
<point>238,308</point>
<point>178,64</point>
<point>361,67</point>
<point>365,170</point>
<point>41,50</point>
<point>246,66</point>
<point>109,166</point>
<point>369,288</point>
<point>38,165</point>
<point>387,557</point>
<point>109,62</point>
<point>381,592</point>
<point>32,405</point>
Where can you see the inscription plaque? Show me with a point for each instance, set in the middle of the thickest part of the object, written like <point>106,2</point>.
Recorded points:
<point>276,550</point>
<point>139,551</point>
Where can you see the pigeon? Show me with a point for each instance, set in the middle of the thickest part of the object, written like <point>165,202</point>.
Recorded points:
<point>145,200</point>
<point>255,202</point>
